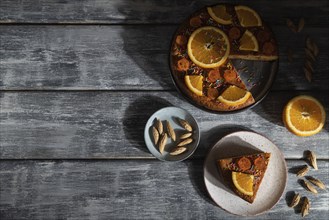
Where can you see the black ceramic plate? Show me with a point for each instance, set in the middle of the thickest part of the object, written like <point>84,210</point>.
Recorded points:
<point>258,76</point>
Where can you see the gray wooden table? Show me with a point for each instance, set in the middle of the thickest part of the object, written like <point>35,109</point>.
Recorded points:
<point>78,81</point>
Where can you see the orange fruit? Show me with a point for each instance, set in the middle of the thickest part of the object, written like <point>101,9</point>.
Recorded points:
<point>219,14</point>
<point>243,182</point>
<point>194,83</point>
<point>234,96</point>
<point>247,16</point>
<point>208,47</point>
<point>304,115</point>
<point>248,42</point>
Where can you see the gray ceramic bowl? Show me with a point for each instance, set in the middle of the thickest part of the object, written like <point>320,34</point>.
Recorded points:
<point>171,114</point>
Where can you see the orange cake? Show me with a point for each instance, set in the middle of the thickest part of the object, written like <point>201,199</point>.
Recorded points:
<point>244,174</point>
<point>203,49</point>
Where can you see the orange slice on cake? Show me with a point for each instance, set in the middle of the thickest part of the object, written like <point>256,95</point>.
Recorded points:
<point>244,174</point>
<point>219,14</point>
<point>194,83</point>
<point>234,96</point>
<point>247,16</point>
<point>248,42</point>
<point>208,47</point>
<point>243,182</point>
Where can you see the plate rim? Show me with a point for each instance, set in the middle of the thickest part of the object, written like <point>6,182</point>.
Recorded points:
<point>197,130</point>
<point>285,173</point>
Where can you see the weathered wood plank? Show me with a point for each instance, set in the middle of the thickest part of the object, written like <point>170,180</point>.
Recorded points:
<point>150,11</point>
<point>111,124</point>
<point>124,58</point>
<point>142,189</point>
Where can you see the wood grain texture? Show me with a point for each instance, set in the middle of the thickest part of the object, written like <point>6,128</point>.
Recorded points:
<point>122,48</point>
<point>115,189</point>
<point>150,11</point>
<point>111,124</point>
<point>125,58</point>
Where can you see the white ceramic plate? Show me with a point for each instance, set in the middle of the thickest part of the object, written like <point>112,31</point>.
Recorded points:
<point>170,114</point>
<point>272,186</point>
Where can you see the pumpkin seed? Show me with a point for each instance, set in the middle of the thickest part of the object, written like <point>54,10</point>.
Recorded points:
<point>315,49</point>
<point>309,187</point>
<point>316,182</point>
<point>301,24</point>
<point>308,74</point>
<point>312,158</point>
<point>309,65</point>
<point>303,171</point>
<point>309,55</point>
<point>305,207</point>
<point>291,25</point>
<point>295,200</point>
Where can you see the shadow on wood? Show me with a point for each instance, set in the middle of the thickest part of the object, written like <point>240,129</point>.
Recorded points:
<point>271,110</point>
<point>211,137</point>
<point>208,140</point>
<point>136,116</point>
<point>195,172</point>
<point>150,52</point>
<point>294,170</point>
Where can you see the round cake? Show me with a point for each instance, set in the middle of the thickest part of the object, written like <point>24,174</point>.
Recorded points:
<point>206,51</point>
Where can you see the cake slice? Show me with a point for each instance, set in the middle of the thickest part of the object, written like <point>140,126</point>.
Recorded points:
<point>244,174</point>
<point>217,83</point>
<point>253,44</point>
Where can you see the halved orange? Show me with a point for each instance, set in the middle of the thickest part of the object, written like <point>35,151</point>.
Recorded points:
<point>243,182</point>
<point>304,115</point>
<point>194,83</point>
<point>247,16</point>
<point>234,96</point>
<point>219,14</point>
<point>208,47</point>
<point>248,42</point>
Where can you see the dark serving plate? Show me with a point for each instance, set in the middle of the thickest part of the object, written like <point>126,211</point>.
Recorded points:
<point>258,76</point>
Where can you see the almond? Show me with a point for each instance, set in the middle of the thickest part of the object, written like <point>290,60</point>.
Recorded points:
<point>178,150</point>
<point>185,142</point>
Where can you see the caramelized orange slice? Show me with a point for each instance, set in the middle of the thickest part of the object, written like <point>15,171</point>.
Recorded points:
<point>248,42</point>
<point>194,83</point>
<point>208,47</point>
<point>219,14</point>
<point>247,16</point>
<point>234,96</point>
<point>243,183</point>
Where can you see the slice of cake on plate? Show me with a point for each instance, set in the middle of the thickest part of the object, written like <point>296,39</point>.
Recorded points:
<point>244,174</point>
